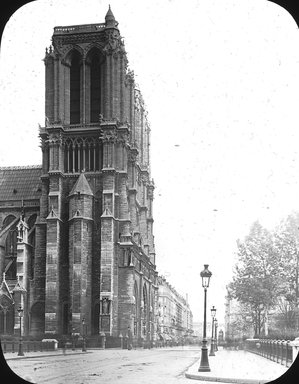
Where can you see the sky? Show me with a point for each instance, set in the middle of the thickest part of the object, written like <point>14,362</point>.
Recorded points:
<point>220,80</point>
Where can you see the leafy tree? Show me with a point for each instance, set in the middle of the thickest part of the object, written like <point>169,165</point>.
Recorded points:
<point>286,244</point>
<point>257,281</point>
<point>266,274</point>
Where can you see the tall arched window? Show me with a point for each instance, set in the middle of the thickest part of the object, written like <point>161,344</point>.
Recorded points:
<point>94,61</point>
<point>95,89</point>
<point>75,81</point>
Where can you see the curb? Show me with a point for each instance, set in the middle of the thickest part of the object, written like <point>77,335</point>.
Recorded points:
<point>39,356</point>
<point>225,379</point>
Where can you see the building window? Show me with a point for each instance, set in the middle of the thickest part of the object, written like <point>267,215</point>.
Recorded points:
<point>75,80</point>
<point>95,89</point>
<point>82,154</point>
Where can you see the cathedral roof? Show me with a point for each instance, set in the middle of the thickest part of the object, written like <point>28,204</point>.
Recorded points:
<point>17,183</point>
<point>81,186</point>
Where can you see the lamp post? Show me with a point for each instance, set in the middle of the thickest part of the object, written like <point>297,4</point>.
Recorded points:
<point>20,312</point>
<point>216,328</point>
<point>83,335</point>
<point>213,314</point>
<point>204,361</point>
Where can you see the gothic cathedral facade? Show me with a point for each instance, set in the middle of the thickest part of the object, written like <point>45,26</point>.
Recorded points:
<point>76,234</point>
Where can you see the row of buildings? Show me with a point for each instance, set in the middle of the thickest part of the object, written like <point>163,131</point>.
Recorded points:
<point>76,233</point>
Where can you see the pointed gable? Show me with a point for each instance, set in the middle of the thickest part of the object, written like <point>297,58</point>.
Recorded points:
<point>81,187</point>
<point>107,213</point>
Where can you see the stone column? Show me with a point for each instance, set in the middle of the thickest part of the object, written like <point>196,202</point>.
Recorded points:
<point>52,309</point>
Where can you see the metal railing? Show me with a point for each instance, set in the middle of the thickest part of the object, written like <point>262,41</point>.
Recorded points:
<point>28,346</point>
<point>279,351</point>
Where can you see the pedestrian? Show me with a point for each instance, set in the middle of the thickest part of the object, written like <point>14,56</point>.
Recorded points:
<point>64,346</point>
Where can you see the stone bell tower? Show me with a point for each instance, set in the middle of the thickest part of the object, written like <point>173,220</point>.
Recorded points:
<point>96,204</point>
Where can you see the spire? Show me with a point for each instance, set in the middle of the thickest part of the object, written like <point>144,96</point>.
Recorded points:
<point>110,19</point>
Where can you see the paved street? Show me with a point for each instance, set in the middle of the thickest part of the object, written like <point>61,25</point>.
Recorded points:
<point>177,365</point>
<point>111,366</point>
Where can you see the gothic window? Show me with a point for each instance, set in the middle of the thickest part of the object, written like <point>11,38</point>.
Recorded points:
<point>94,61</point>
<point>95,89</point>
<point>75,81</point>
<point>82,154</point>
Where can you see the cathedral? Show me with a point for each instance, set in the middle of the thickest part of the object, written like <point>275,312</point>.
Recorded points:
<point>76,233</point>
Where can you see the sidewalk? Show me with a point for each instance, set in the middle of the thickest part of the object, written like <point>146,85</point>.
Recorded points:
<point>237,367</point>
<point>27,355</point>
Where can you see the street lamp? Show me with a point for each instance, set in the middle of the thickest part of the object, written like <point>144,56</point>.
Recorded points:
<point>216,328</point>
<point>83,334</point>
<point>213,314</point>
<point>20,312</point>
<point>204,361</point>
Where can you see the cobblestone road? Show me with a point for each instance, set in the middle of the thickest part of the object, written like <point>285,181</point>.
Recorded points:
<point>111,366</point>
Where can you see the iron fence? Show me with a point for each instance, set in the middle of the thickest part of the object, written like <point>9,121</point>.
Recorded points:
<point>28,346</point>
<point>279,351</point>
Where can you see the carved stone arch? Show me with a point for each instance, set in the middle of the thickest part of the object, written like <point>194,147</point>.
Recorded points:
<point>78,141</point>
<point>72,51</point>
<point>94,49</point>
<point>7,220</point>
<point>69,142</point>
<point>90,141</point>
